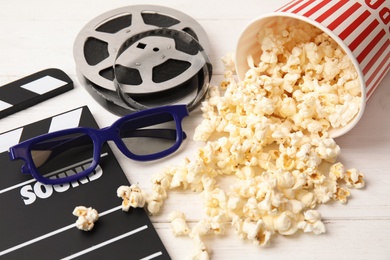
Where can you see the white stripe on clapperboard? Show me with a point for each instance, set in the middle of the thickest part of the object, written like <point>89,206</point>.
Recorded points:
<point>60,122</point>
<point>4,105</point>
<point>44,85</point>
<point>67,120</point>
<point>107,242</point>
<point>9,139</point>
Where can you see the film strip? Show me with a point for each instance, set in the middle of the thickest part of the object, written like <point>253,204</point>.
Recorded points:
<point>159,69</point>
<point>39,221</point>
<point>30,90</point>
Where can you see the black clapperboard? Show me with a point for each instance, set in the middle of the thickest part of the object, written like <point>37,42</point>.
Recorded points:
<point>36,220</point>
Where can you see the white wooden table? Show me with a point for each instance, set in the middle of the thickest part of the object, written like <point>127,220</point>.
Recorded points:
<point>36,35</point>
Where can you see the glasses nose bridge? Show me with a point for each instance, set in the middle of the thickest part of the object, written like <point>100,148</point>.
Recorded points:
<point>106,134</point>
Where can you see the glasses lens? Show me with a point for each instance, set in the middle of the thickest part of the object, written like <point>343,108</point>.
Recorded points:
<point>63,156</point>
<point>149,135</point>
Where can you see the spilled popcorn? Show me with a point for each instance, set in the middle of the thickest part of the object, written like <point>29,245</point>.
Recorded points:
<point>270,134</point>
<point>86,217</point>
<point>132,197</point>
<point>178,223</point>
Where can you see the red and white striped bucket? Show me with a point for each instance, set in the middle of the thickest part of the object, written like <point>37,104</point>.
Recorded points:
<point>361,28</point>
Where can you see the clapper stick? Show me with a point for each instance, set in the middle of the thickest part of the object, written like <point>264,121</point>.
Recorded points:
<point>33,89</point>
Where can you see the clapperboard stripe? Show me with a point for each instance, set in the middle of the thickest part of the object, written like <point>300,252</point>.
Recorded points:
<point>66,120</point>
<point>43,85</point>
<point>107,242</point>
<point>26,229</point>
<point>32,89</point>
<point>4,105</point>
<point>9,139</point>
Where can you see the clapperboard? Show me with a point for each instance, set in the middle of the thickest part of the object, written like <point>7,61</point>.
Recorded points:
<point>32,89</point>
<point>36,220</point>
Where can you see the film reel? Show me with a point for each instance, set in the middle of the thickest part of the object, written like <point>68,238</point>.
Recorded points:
<point>169,64</point>
<point>182,78</point>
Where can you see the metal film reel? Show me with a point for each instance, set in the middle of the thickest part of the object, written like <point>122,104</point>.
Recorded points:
<point>182,78</point>
<point>163,62</point>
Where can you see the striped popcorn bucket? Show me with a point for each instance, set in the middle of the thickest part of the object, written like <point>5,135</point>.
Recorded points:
<point>361,28</point>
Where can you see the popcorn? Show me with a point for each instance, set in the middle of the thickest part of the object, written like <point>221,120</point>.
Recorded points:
<point>342,195</point>
<point>201,252</point>
<point>337,171</point>
<point>162,180</point>
<point>312,222</point>
<point>204,130</point>
<point>201,228</point>
<point>215,225</point>
<point>308,199</point>
<point>354,178</point>
<point>345,112</point>
<point>324,192</point>
<point>179,178</point>
<point>228,62</point>
<point>286,223</point>
<point>288,107</point>
<point>328,149</point>
<point>86,217</point>
<point>154,203</point>
<point>132,196</point>
<point>178,223</point>
<point>215,201</point>
<point>257,232</point>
